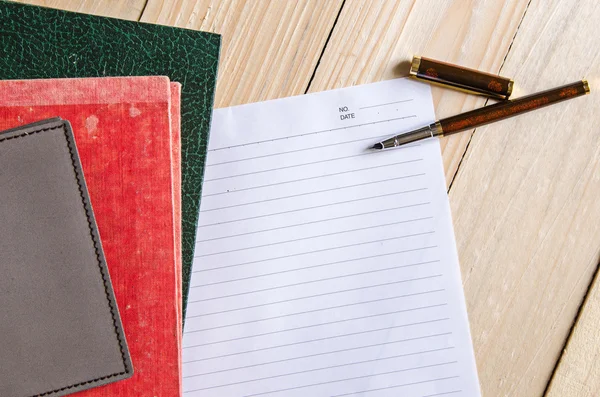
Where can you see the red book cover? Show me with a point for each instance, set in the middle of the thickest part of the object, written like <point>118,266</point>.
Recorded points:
<point>122,129</point>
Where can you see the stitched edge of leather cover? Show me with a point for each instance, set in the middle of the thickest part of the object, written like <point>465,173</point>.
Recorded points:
<point>51,125</point>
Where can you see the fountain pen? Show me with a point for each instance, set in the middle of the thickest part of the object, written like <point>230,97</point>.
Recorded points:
<point>487,114</point>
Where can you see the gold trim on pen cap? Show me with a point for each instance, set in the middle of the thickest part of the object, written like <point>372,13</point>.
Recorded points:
<point>414,66</point>
<point>586,86</point>
<point>509,91</point>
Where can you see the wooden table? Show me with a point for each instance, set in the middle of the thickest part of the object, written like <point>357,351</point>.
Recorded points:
<point>525,193</point>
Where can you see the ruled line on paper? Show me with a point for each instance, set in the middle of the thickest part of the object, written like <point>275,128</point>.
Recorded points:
<point>331,263</point>
<point>319,369</point>
<point>321,295</point>
<point>310,282</point>
<point>396,386</point>
<point>307,326</point>
<point>322,368</point>
<point>385,104</point>
<point>310,326</point>
<point>443,393</point>
<point>312,267</point>
<point>321,339</point>
<point>358,377</point>
<point>329,352</point>
<point>280,153</point>
<point>315,207</point>
<point>314,192</point>
<point>315,132</point>
<point>331,248</point>
<point>290,166</point>
<point>303,283</point>
<point>317,221</point>
<point>321,235</point>
<point>315,177</point>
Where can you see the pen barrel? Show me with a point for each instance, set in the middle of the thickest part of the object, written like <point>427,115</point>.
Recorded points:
<point>513,107</point>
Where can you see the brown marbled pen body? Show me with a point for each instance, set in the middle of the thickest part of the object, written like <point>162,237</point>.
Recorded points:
<point>488,114</point>
<point>513,107</point>
<point>458,77</point>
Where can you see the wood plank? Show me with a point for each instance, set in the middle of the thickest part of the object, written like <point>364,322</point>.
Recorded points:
<point>578,372</point>
<point>525,205</point>
<point>270,48</point>
<point>376,40</point>
<point>130,9</point>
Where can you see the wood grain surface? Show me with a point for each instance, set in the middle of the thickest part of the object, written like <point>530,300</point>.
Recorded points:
<point>525,205</point>
<point>130,9</point>
<point>269,48</point>
<point>523,191</point>
<point>578,372</point>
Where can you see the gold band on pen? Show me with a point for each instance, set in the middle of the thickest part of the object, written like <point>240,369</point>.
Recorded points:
<point>586,86</point>
<point>509,91</point>
<point>437,129</point>
<point>414,66</point>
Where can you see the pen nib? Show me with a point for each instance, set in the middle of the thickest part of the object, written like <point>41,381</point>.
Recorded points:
<point>377,146</point>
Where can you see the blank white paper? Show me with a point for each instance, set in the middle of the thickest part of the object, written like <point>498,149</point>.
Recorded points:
<point>322,268</point>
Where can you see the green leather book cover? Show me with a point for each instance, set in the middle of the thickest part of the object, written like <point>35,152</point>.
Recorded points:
<point>37,42</point>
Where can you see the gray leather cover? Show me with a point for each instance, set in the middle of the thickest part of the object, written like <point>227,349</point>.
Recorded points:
<point>60,330</point>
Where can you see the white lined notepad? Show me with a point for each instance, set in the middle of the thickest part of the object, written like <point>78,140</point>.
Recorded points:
<point>322,268</point>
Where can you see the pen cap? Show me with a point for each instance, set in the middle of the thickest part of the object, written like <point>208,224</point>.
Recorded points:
<point>458,77</point>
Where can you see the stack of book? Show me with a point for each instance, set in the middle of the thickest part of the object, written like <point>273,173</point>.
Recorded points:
<point>105,125</point>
